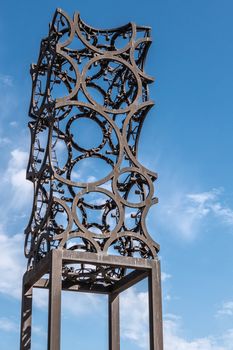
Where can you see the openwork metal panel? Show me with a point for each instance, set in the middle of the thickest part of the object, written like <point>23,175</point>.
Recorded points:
<point>85,74</point>
<point>87,231</point>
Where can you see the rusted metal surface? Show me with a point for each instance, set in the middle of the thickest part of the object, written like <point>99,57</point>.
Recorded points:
<point>105,215</point>
<point>88,233</point>
<point>52,265</point>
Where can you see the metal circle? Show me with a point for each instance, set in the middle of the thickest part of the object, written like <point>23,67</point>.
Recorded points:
<point>128,249</point>
<point>127,69</point>
<point>98,50</point>
<point>73,136</point>
<point>136,177</point>
<point>106,206</point>
<point>112,130</point>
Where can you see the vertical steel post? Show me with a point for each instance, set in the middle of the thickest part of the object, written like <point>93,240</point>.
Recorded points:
<point>55,287</point>
<point>26,318</point>
<point>155,307</point>
<point>114,321</point>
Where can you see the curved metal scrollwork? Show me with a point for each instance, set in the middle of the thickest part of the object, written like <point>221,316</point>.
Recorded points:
<point>97,76</point>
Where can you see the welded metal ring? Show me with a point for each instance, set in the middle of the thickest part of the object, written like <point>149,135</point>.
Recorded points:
<point>103,206</point>
<point>110,58</point>
<point>64,231</point>
<point>91,29</point>
<point>60,32</point>
<point>40,214</point>
<point>129,251</point>
<point>143,177</point>
<point>119,155</point>
<point>29,244</point>
<point>78,234</point>
<point>75,144</point>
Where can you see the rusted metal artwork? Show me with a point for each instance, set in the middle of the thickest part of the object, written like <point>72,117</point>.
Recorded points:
<point>95,222</point>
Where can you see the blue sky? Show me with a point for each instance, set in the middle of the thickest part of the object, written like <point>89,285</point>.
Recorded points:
<point>187,139</point>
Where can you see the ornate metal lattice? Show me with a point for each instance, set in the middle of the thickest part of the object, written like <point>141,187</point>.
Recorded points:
<point>96,75</point>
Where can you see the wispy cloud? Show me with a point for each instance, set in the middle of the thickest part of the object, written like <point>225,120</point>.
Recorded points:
<point>15,197</point>
<point>184,213</point>
<point>12,264</point>
<point>165,276</point>
<point>72,305</point>
<point>135,328</point>
<point>14,179</point>
<point>14,124</point>
<point>210,202</point>
<point>8,325</point>
<point>226,309</point>
<point>6,80</point>
<point>10,101</point>
<point>134,310</point>
<point>83,305</point>
<point>174,339</point>
<point>4,141</point>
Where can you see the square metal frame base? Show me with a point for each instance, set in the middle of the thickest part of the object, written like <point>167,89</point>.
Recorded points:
<point>52,265</point>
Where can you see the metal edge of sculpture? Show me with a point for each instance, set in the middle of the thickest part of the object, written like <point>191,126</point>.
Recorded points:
<point>96,76</point>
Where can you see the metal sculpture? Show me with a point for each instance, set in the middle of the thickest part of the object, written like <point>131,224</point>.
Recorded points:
<point>89,234</point>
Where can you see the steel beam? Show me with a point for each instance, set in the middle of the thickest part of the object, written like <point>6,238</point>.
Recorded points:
<point>54,317</point>
<point>155,307</point>
<point>26,319</point>
<point>32,276</point>
<point>114,321</point>
<point>129,280</point>
<point>102,259</point>
<point>71,287</point>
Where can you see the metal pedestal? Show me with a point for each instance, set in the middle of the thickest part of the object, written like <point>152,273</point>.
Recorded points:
<point>52,265</point>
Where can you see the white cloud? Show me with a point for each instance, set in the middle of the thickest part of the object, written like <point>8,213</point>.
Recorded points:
<point>8,325</point>
<point>167,297</point>
<point>226,309</point>
<point>9,100</point>
<point>184,213</point>
<point>73,303</point>
<point>134,313</point>
<point>227,339</point>
<point>18,160</point>
<point>12,264</point>
<point>16,194</point>
<point>15,175</point>
<point>91,178</point>
<point>174,339</point>
<point>4,141</point>
<point>209,202</point>
<point>135,327</point>
<point>165,276</point>
<point>224,213</point>
<point>107,186</point>
<point>75,175</point>
<point>6,80</point>
<point>81,304</point>
<point>40,298</point>
<point>14,123</point>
